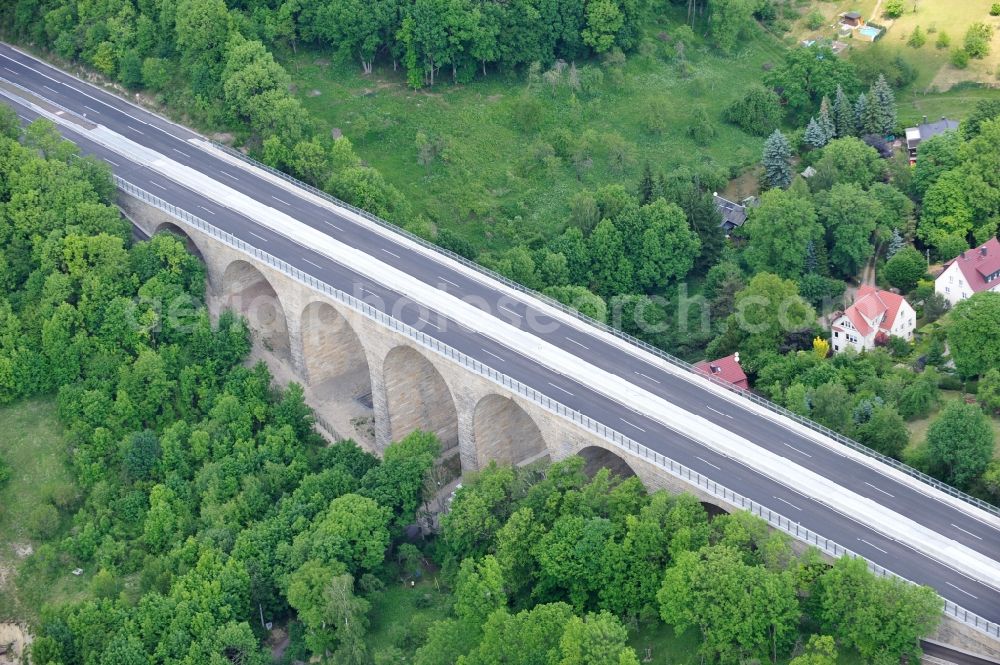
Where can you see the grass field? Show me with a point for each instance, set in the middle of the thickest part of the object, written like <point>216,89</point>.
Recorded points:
<point>935,17</point>
<point>940,89</point>
<point>33,446</point>
<point>400,616</point>
<point>490,169</point>
<point>918,428</point>
<point>667,648</point>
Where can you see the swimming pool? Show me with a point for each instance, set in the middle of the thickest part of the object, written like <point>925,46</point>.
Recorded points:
<point>869,33</point>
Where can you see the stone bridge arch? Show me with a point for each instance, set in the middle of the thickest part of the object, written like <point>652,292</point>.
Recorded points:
<point>185,237</point>
<point>417,397</point>
<point>246,290</point>
<point>333,357</point>
<point>598,458</point>
<point>505,432</point>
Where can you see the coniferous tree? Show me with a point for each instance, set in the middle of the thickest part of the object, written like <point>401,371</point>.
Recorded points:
<point>815,135</point>
<point>646,185</point>
<point>896,243</point>
<point>860,113</point>
<point>881,108</point>
<point>843,114</point>
<point>777,153</point>
<point>825,120</point>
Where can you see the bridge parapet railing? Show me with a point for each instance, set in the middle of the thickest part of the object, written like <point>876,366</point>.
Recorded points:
<point>617,439</point>
<point>645,346</point>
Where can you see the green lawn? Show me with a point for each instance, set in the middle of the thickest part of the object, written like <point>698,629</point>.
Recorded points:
<point>668,648</point>
<point>934,92</point>
<point>956,103</point>
<point>489,169</point>
<point>33,445</point>
<point>400,616</point>
<point>918,428</point>
<point>935,17</point>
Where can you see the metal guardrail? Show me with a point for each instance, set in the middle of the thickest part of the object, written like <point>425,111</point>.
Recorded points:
<point>645,346</point>
<point>51,103</point>
<point>619,440</point>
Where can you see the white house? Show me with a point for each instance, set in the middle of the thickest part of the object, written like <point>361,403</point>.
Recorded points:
<point>972,271</point>
<point>872,319</point>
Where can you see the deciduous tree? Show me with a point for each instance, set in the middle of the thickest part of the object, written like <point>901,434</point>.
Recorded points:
<point>960,443</point>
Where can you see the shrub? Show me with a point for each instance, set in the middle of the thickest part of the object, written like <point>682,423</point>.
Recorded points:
<point>995,9</point>
<point>4,472</point>
<point>701,129</point>
<point>950,382</point>
<point>917,39</point>
<point>43,521</point>
<point>943,40</point>
<point>960,58</point>
<point>652,119</point>
<point>815,20</point>
<point>977,40</point>
<point>758,112</point>
<point>894,8</point>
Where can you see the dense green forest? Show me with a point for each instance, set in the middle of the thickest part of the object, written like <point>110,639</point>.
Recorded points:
<point>646,256</point>
<point>202,501</point>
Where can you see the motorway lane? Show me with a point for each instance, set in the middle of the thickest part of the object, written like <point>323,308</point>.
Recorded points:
<point>693,454</point>
<point>171,141</point>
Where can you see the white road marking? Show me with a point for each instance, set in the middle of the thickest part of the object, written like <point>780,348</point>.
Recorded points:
<point>708,463</point>
<point>389,253</point>
<point>788,502</point>
<point>50,88</point>
<point>449,281</point>
<point>494,355</point>
<point>560,388</point>
<point>210,212</point>
<point>91,109</point>
<point>879,489</point>
<point>153,182</point>
<point>136,130</point>
<point>110,161</point>
<point>504,307</point>
<point>333,225</point>
<point>801,452</point>
<point>577,343</point>
<point>962,590</point>
<point>311,263</point>
<point>257,236</point>
<point>432,325</point>
<point>10,70</point>
<point>632,424</point>
<point>280,201</point>
<point>968,532</point>
<point>228,174</point>
<point>718,412</point>
<point>29,67</point>
<point>646,376</point>
<point>23,118</point>
<point>875,546</point>
<point>181,152</point>
<point>127,115</point>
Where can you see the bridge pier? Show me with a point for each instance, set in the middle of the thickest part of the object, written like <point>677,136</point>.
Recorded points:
<point>322,344</point>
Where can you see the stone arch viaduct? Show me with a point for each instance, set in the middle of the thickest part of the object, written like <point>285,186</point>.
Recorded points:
<point>327,344</point>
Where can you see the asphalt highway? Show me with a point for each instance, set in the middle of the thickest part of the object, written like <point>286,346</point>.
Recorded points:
<point>172,142</point>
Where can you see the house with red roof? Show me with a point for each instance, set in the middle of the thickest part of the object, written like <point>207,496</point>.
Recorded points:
<point>728,369</point>
<point>972,271</point>
<point>871,320</point>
